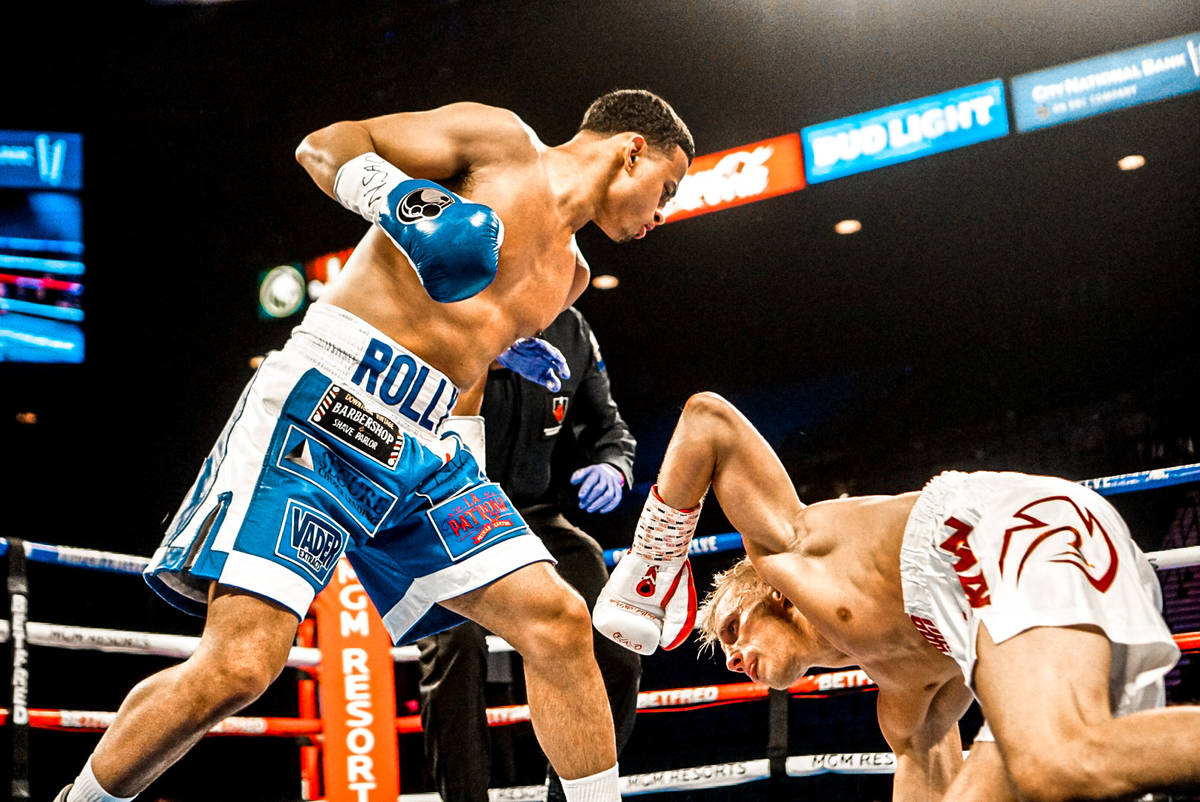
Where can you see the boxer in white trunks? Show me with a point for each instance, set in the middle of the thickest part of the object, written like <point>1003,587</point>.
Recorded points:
<point>341,443</point>
<point>1024,592</point>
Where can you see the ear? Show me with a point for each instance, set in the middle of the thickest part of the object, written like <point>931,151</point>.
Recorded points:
<point>635,147</point>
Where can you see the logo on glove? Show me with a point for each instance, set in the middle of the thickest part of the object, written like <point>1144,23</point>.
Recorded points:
<point>646,586</point>
<point>426,203</point>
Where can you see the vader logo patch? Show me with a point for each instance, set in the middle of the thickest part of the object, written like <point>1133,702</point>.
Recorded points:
<point>311,540</point>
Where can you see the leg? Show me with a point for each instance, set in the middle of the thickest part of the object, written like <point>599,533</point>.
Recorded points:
<point>581,564</point>
<point>1045,694</point>
<point>548,624</point>
<point>245,645</point>
<point>453,712</point>
<point>714,443</point>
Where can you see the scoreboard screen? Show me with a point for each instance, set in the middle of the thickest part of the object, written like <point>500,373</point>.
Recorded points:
<point>41,247</point>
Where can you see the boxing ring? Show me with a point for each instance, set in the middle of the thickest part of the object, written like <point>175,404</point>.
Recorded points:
<point>347,725</point>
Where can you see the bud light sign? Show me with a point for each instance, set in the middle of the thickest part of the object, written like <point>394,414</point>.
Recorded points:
<point>905,132</point>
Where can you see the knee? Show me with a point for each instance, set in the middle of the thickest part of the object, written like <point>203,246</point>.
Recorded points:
<point>559,627</point>
<point>1075,767</point>
<point>231,677</point>
<point>709,407</point>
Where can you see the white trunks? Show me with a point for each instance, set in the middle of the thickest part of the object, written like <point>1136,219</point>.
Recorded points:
<point>1014,552</point>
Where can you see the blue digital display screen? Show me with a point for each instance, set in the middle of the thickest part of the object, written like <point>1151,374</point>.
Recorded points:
<point>1106,83</point>
<point>41,247</point>
<point>905,131</point>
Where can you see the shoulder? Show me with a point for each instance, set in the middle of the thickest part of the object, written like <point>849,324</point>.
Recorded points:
<point>495,129</point>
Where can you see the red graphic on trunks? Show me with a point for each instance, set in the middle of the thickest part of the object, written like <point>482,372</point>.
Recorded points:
<point>1068,519</point>
<point>974,585</point>
<point>477,518</point>
<point>931,633</point>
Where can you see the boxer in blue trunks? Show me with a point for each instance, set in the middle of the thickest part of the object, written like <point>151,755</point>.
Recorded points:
<point>343,442</point>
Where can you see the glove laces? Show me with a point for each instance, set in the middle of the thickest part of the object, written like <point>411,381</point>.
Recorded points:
<point>664,533</point>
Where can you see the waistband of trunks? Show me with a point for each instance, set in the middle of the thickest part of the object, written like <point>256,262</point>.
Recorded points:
<point>355,353</point>
<point>926,514</point>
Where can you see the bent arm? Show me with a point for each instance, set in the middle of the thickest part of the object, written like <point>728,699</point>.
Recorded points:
<point>714,443</point>
<point>437,144</point>
<point>923,733</point>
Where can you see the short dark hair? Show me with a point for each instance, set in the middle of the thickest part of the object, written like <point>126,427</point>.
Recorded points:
<point>641,111</point>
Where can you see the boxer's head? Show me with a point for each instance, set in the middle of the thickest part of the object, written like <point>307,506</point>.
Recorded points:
<point>651,151</point>
<point>760,632</point>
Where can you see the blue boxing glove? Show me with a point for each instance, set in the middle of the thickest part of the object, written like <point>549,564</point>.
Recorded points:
<point>538,361</point>
<point>453,244</point>
<point>601,490</point>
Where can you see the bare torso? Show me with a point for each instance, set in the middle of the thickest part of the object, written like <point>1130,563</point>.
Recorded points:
<point>536,277</point>
<point>843,574</point>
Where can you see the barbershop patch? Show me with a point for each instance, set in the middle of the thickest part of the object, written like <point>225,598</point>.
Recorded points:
<point>346,417</point>
<point>473,519</point>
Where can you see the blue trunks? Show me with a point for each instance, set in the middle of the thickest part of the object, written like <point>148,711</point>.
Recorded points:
<point>336,447</point>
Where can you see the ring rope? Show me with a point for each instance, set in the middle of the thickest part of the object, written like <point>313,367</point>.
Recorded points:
<point>124,642</point>
<point>710,544</point>
<point>717,775</point>
<point>99,721</point>
<point>811,686</point>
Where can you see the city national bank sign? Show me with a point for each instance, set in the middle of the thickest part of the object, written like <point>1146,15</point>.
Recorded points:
<point>905,131</point>
<point>1106,83</point>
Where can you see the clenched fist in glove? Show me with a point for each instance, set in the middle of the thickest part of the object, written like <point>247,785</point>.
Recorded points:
<point>650,599</point>
<point>453,244</point>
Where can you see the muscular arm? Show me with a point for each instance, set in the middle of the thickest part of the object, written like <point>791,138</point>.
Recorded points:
<point>436,144</point>
<point>923,733</point>
<point>714,443</point>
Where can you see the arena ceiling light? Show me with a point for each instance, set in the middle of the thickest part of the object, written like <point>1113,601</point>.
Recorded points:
<point>605,282</point>
<point>848,227</point>
<point>1131,162</point>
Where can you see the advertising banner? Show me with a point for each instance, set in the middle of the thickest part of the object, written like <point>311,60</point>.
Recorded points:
<point>741,175</point>
<point>905,131</point>
<point>1106,83</point>
<point>41,160</point>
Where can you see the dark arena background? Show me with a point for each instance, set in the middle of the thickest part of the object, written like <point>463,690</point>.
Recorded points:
<point>1016,302</point>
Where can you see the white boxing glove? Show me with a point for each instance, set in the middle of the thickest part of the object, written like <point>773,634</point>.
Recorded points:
<point>650,598</point>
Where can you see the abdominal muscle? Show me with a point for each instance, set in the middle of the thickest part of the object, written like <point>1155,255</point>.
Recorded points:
<point>379,285</point>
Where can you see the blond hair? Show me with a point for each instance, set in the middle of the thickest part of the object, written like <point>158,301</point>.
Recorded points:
<point>740,581</point>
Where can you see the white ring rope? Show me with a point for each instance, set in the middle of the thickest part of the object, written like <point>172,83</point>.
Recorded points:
<point>718,775</point>
<point>182,646</point>
<point>121,641</point>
